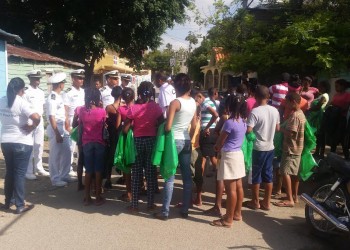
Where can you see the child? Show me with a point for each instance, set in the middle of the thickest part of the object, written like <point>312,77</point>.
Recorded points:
<point>293,144</point>
<point>264,121</point>
<point>128,95</point>
<point>146,115</point>
<point>232,168</point>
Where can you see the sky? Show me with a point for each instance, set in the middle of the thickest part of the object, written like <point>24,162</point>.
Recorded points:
<point>177,35</point>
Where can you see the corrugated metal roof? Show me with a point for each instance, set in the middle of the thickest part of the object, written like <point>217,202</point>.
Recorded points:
<point>9,36</point>
<point>30,54</point>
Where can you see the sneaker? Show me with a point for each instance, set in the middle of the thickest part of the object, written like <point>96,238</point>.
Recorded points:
<point>43,172</point>
<point>59,184</point>
<point>73,174</point>
<point>25,208</point>
<point>70,179</point>
<point>30,177</point>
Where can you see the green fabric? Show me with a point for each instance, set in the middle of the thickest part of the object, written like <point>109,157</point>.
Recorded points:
<point>307,161</point>
<point>74,134</point>
<point>165,153</point>
<point>278,143</point>
<point>125,153</point>
<point>247,149</point>
<point>315,117</point>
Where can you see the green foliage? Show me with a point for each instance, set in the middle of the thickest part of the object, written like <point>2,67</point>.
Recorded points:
<point>80,30</point>
<point>305,37</point>
<point>160,61</point>
<point>198,58</point>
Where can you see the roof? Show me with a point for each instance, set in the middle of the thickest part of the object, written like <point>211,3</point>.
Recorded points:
<point>22,52</point>
<point>9,37</point>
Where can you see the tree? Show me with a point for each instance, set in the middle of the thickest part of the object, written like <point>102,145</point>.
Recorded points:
<point>160,61</point>
<point>80,30</point>
<point>305,37</point>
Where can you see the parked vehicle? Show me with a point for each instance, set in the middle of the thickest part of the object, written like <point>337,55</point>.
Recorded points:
<point>327,209</point>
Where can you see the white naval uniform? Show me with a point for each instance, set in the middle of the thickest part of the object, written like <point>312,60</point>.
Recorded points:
<point>167,94</point>
<point>107,98</point>
<point>59,157</point>
<point>36,98</point>
<point>73,98</point>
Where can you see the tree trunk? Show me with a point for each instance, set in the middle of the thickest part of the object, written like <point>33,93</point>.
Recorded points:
<point>89,71</point>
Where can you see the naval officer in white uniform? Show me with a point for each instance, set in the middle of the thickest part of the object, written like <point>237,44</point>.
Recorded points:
<point>36,98</point>
<point>112,78</point>
<point>74,97</point>
<point>59,157</point>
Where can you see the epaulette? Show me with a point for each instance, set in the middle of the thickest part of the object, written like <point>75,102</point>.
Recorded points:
<point>67,90</point>
<point>173,91</point>
<point>25,88</point>
<point>53,97</point>
<point>102,89</point>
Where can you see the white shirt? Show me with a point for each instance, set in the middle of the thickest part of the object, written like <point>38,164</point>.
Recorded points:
<point>107,98</point>
<point>36,98</point>
<point>73,98</point>
<point>183,118</point>
<point>12,119</point>
<point>55,107</point>
<point>167,94</point>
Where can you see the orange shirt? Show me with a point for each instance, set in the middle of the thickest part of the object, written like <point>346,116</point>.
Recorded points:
<point>304,106</point>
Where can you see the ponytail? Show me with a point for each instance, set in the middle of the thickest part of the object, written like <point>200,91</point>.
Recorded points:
<point>14,86</point>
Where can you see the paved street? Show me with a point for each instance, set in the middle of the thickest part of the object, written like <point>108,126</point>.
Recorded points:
<point>60,221</point>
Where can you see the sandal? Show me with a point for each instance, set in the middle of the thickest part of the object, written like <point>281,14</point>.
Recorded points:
<point>283,204</point>
<point>250,205</point>
<point>220,223</point>
<point>214,211</point>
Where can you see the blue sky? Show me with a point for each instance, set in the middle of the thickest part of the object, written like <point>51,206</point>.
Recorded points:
<point>177,35</point>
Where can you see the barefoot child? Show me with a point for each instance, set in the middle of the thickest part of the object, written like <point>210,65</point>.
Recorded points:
<point>232,168</point>
<point>293,144</point>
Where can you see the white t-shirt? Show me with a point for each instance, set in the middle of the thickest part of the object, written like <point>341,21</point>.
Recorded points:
<point>167,94</point>
<point>107,98</point>
<point>36,98</point>
<point>55,107</point>
<point>12,119</point>
<point>183,118</point>
<point>73,98</point>
<point>263,120</point>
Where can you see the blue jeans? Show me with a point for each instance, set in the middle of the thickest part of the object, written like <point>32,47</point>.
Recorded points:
<point>94,157</point>
<point>16,159</point>
<point>183,148</point>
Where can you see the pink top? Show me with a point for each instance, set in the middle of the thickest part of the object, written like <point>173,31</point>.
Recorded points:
<point>93,121</point>
<point>342,100</point>
<point>145,117</point>
<point>251,103</point>
<point>123,111</point>
<point>309,95</point>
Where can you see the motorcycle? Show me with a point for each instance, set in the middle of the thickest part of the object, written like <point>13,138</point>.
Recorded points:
<point>327,209</point>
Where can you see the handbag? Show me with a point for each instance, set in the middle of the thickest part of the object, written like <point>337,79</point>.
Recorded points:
<point>105,133</point>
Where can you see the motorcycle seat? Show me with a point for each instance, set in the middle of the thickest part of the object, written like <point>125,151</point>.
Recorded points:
<point>339,164</point>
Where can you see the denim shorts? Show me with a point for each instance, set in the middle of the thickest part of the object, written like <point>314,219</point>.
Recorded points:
<point>262,166</point>
<point>94,157</point>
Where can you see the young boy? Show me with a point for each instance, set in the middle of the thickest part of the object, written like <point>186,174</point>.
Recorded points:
<point>264,121</point>
<point>293,144</point>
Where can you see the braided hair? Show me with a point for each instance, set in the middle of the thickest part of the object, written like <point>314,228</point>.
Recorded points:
<point>92,97</point>
<point>128,95</point>
<point>145,91</point>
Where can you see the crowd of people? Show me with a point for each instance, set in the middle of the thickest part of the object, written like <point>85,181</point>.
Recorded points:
<point>200,127</point>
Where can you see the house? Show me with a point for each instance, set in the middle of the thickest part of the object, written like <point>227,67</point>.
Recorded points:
<point>215,76</point>
<point>21,60</point>
<point>4,38</point>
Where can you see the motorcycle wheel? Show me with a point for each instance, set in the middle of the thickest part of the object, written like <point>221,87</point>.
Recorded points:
<point>319,225</point>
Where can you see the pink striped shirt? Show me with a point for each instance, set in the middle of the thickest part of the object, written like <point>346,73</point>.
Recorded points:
<point>278,93</point>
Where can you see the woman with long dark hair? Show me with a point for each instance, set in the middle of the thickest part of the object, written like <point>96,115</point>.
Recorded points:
<point>18,121</point>
<point>92,117</point>
<point>146,115</point>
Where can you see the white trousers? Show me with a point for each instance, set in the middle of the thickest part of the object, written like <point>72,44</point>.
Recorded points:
<point>59,157</point>
<point>36,159</point>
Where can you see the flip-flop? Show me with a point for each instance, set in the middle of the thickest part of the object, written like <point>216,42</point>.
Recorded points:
<point>283,204</point>
<point>263,207</point>
<point>249,205</point>
<point>214,211</point>
<point>220,223</point>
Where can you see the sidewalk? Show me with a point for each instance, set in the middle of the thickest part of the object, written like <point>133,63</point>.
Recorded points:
<point>60,221</point>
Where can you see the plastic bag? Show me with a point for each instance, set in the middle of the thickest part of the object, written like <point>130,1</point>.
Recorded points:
<point>74,135</point>
<point>278,143</point>
<point>125,152</point>
<point>247,149</point>
<point>307,162</point>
